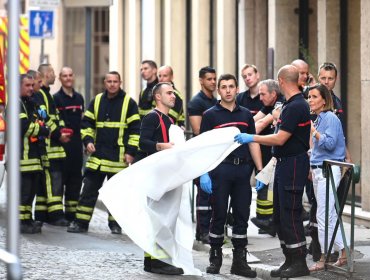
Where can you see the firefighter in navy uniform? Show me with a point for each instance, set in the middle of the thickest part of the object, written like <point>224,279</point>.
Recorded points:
<point>250,98</point>
<point>271,97</point>
<point>30,162</point>
<point>290,145</point>
<point>149,74</point>
<point>49,205</point>
<point>110,132</point>
<point>71,107</point>
<point>200,103</point>
<point>154,137</point>
<point>230,179</point>
<point>165,75</point>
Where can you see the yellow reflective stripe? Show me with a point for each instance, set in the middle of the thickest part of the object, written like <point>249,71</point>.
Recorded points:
<point>87,132</point>
<point>46,105</point>
<point>97,104</point>
<point>89,115</point>
<point>71,202</point>
<point>48,183</point>
<point>134,117</point>
<point>92,166</point>
<point>41,208</point>
<point>111,169</point>
<point>31,168</point>
<point>143,112</point>
<point>160,253</point>
<point>61,122</point>
<point>29,130</point>
<point>26,148</point>
<point>111,218</point>
<point>83,216</point>
<point>264,202</point>
<point>25,216</point>
<point>121,131</point>
<point>111,163</point>
<point>122,150</point>
<point>30,161</point>
<point>23,116</point>
<point>22,208</point>
<point>174,114</point>
<point>264,211</point>
<point>55,208</point>
<point>36,129</point>
<point>40,199</point>
<point>70,209</point>
<point>133,140</point>
<point>85,209</point>
<point>53,117</point>
<point>111,124</point>
<point>54,199</point>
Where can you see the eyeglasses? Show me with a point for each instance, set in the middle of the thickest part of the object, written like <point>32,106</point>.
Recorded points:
<point>328,66</point>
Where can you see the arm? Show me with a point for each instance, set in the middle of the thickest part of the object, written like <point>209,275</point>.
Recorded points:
<point>263,123</point>
<point>195,124</point>
<point>259,116</point>
<point>255,151</point>
<point>88,125</point>
<point>133,130</point>
<point>278,139</point>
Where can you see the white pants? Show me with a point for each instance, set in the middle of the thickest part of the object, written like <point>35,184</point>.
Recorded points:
<point>319,186</point>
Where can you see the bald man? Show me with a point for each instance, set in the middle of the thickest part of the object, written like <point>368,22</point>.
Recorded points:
<point>71,107</point>
<point>305,77</point>
<point>290,145</point>
<point>165,75</point>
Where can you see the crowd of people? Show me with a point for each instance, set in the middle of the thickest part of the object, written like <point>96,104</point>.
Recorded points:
<point>293,120</point>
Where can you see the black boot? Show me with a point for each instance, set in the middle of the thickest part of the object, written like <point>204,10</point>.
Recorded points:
<point>215,261</point>
<point>160,267</point>
<point>297,268</point>
<point>265,224</point>
<point>148,264</point>
<point>285,265</point>
<point>240,265</point>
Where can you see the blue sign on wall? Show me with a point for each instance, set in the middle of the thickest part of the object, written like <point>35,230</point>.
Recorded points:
<point>41,24</point>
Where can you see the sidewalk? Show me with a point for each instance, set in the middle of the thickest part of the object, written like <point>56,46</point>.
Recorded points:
<point>266,253</point>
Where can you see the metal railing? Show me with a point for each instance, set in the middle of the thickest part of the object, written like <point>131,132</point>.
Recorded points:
<point>351,176</point>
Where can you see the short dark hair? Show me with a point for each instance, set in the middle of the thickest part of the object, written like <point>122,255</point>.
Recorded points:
<point>326,95</point>
<point>226,77</point>
<point>329,66</point>
<point>158,86</point>
<point>150,62</point>
<point>24,76</point>
<point>33,73</point>
<point>113,73</point>
<point>43,68</point>
<point>204,70</point>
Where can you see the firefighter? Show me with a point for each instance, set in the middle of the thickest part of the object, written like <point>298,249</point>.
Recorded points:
<point>231,178</point>
<point>30,162</point>
<point>153,138</point>
<point>110,132</point>
<point>70,105</point>
<point>165,75</point>
<point>290,145</point>
<point>200,103</point>
<point>149,74</point>
<point>49,206</point>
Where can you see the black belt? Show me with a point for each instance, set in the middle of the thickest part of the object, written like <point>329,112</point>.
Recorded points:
<point>316,166</point>
<point>234,160</point>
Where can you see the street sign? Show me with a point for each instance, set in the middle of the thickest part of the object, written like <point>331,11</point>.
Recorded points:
<point>44,4</point>
<point>41,24</point>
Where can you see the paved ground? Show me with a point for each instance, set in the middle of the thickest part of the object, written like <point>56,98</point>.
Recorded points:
<point>56,254</point>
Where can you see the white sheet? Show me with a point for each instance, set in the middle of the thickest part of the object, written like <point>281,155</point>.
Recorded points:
<point>151,199</point>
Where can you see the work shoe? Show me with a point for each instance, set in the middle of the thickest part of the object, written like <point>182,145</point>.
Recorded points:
<point>29,228</point>
<point>261,231</point>
<point>215,261</point>
<point>266,225</point>
<point>60,222</point>
<point>285,265</point>
<point>160,267</point>
<point>240,265</point>
<point>148,264</point>
<point>297,268</point>
<point>115,229</point>
<point>76,227</point>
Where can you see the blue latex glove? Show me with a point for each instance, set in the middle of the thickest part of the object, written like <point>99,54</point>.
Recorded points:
<point>259,185</point>
<point>42,113</point>
<point>206,183</point>
<point>243,138</point>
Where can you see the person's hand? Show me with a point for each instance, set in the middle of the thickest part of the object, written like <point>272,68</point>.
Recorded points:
<point>65,138</point>
<point>90,148</point>
<point>206,183</point>
<point>259,185</point>
<point>129,158</point>
<point>244,138</point>
<point>42,113</point>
